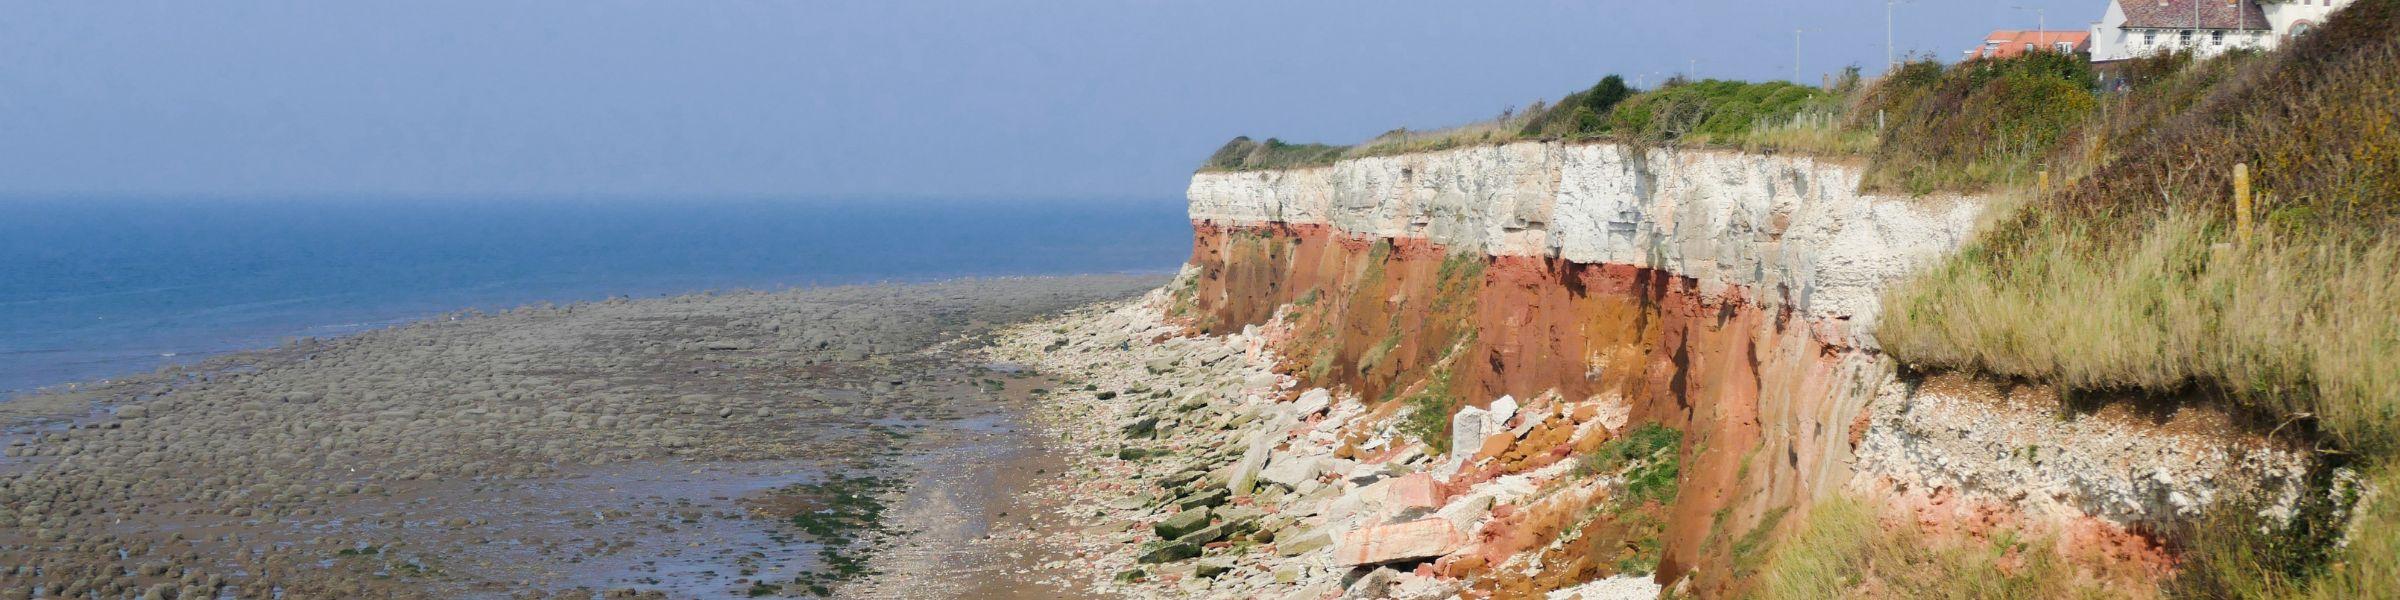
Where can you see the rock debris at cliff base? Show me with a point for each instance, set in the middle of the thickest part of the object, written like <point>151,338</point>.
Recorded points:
<point>1201,472</point>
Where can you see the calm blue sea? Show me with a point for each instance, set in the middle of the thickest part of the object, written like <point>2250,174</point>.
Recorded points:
<point>94,288</point>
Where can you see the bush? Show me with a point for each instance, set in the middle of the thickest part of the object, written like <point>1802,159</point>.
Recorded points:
<point>1651,450</point>
<point>1580,114</point>
<point>1711,111</point>
<point>1977,124</point>
<point>1428,419</point>
<point>1241,154</point>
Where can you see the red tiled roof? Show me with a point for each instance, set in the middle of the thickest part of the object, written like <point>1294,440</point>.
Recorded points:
<point>2178,14</point>
<point>2010,42</point>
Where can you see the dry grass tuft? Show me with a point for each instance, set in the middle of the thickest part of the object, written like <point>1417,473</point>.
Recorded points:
<point>1847,550</point>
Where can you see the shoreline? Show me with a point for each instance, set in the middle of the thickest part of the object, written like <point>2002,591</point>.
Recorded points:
<point>674,446</point>
<point>151,361</point>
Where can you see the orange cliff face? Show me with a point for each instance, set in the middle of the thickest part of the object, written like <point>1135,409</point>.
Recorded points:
<point>1393,319</point>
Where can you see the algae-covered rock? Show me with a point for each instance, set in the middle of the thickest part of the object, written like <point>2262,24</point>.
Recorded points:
<point>1165,552</point>
<point>1181,524</point>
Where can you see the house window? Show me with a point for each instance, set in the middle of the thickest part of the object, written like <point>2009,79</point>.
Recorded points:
<point>2029,47</point>
<point>2063,47</point>
<point>2186,38</point>
<point>2301,29</point>
<point>2217,37</point>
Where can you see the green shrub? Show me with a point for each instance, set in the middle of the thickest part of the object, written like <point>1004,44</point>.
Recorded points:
<point>1428,418</point>
<point>1651,452</point>
<point>1977,124</point>
<point>2236,551</point>
<point>1711,111</point>
<point>1580,114</point>
<point>1242,154</point>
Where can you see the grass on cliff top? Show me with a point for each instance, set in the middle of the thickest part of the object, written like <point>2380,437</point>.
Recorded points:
<point>1927,127</point>
<point>1711,113</point>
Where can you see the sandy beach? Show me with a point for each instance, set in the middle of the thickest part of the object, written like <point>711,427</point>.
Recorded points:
<point>743,444</point>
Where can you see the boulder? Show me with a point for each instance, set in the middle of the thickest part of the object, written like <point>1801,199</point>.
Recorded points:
<point>1141,427</point>
<point>1312,402</point>
<point>1467,430</point>
<point>1245,472</point>
<point>1210,533</point>
<point>1204,498</point>
<point>1501,411</point>
<point>1288,544</point>
<point>1289,471</point>
<point>1374,584</point>
<point>1495,446</point>
<point>1261,381</point>
<point>1169,552</point>
<point>1181,523</point>
<point>1414,490</point>
<point>1414,540</point>
<point>1465,512</point>
<point>1211,568</point>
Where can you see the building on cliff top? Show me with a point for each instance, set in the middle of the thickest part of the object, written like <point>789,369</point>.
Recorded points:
<point>2135,28</point>
<point>2007,43</point>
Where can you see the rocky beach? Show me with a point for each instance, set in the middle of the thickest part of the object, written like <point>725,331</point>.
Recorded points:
<point>710,445</point>
<point>1200,471</point>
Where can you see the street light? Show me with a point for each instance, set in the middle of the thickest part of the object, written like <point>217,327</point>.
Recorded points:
<point>1891,55</point>
<point>2041,30</point>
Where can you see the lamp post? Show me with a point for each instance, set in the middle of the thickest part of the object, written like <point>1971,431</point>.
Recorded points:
<point>2041,19</point>
<point>1891,51</point>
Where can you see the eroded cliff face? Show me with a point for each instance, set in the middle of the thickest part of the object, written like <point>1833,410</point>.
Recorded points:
<point>1793,227</point>
<point>1732,297</point>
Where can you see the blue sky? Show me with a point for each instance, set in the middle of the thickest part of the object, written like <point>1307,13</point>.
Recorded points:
<point>874,99</point>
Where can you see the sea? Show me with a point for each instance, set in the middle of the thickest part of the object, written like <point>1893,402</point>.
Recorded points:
<point>92,288</point>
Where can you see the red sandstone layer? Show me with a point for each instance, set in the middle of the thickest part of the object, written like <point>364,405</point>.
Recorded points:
<point>1396,318</point>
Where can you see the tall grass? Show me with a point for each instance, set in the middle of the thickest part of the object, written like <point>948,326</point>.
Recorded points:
<point>2306,328</point>
<point>1846,549</point>
<point>1507,127</point>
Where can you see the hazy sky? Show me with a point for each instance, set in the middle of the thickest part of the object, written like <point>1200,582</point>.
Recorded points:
<point>871,99</point>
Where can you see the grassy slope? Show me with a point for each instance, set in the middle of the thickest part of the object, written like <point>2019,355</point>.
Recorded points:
<point>2131,278</point>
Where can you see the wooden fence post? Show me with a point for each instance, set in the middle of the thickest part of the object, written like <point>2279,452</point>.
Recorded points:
<point>2241,203</point>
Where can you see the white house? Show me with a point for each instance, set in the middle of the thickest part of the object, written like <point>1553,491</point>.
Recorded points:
<point>2134,28</point>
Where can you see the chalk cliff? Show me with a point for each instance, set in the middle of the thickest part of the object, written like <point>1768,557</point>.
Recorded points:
<point>1731,297</point>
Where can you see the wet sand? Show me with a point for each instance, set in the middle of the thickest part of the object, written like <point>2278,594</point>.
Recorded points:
<point>971,521</point>
<point>724,445</point>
